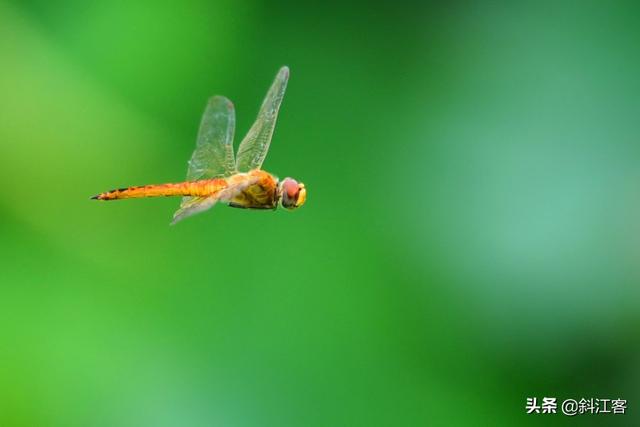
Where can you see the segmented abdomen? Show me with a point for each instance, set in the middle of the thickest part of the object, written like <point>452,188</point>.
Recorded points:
<point>204,188</point>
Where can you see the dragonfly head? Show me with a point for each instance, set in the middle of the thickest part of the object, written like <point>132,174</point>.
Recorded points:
<point>292,193</point>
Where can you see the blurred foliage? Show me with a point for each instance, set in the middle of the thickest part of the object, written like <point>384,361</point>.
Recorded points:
<point>470,237</point>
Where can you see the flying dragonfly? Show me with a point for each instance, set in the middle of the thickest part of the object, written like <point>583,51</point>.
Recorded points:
<point>215,175</point>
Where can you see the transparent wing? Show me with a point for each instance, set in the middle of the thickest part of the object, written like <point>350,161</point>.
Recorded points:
<point>193,205</point>
<point>253,148</point>
<point>213,156</point>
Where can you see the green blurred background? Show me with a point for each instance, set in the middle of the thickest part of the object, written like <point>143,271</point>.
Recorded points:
<point>470,237</point>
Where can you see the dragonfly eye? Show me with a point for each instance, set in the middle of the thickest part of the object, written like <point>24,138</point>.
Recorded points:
<point>293,193</point>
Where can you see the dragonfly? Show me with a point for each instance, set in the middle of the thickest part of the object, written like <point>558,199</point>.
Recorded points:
<point>215,175</point>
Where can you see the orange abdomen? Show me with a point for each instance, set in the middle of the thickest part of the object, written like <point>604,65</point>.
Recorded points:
<point>204,188</point>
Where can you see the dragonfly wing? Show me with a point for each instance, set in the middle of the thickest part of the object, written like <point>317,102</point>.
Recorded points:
<point>193,205</point>
<point>253,148</point>
<point>213,156</point>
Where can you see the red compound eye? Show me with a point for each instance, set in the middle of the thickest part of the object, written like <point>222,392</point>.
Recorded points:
<point>290,187</point>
